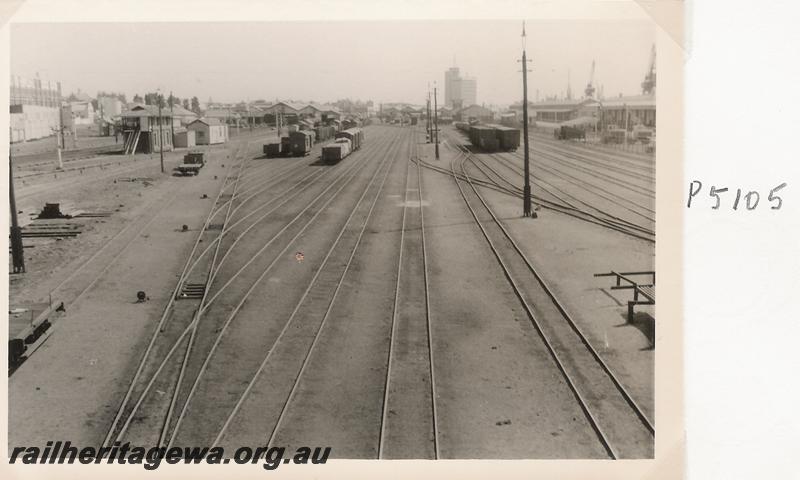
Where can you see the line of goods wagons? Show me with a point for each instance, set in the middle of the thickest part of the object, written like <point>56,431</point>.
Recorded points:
<point>300,142</point>
<point>491,138</point>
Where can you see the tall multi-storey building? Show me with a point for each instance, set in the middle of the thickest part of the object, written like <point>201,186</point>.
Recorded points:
<point>469,91</point>
<point>459,91</point>
<point>451,86</point>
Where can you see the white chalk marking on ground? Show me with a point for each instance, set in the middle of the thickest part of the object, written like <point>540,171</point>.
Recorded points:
<point>414,204</point>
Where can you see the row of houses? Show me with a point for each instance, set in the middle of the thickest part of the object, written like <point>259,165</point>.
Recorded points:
<point>282,112</point>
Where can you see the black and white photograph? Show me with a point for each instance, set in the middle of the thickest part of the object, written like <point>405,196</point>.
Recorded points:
<point>274,242</point>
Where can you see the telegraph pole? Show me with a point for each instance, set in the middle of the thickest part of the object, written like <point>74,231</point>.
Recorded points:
<point>436,121</point>
<point>60,138</point>
<point>430,132</point>
<point>161,132</point>
<point>17,255</point>
<point>526,192</point>
<point>172,113</point>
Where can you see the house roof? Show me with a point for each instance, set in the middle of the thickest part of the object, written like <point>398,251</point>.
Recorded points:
<point>207,121</point>
<point>179,111</point>
<point>82,96</point>
<point>220,113</point>
<point>474,107</point>
<point>292,106</point>
<point>631,101</point>
<point>140,110</point>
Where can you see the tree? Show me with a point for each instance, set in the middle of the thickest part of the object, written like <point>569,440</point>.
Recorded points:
<point>137,99</point>
<point>195,105</point>
<point>186,103</point>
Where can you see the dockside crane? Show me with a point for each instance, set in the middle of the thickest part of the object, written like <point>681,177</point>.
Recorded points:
<point>590,86</point>
<point>649,83</point>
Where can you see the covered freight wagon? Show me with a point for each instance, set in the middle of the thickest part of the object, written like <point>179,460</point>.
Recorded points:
<point>483,137</point>
<point>273,149</point>
<point>301,142</point>
<point>355,135</point>
<point>507,137</point>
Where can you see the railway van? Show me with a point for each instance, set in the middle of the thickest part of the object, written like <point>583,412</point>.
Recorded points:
<point>483,137</point>
<point>507,137</point>
<point>301,142</point>
<point>569,133</point>
<point>355,135</point>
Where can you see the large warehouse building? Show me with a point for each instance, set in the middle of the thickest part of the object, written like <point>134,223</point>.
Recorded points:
<point>34,109</point>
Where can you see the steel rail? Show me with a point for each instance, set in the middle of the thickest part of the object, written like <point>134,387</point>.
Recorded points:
<point>235,311</point>
<point>528,309</point>
<point>283,331</point>
<point>188,328</point>
<point>292,392</point>
<point>160,323</point>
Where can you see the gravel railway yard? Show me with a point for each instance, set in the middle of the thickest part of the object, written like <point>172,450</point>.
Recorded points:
<point>391,305</point>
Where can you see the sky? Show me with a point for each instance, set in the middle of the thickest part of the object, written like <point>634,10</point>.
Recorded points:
<point>383,61</point>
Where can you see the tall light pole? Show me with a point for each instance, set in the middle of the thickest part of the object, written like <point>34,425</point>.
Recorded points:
<point>526,192</point>
<point>436,121</point>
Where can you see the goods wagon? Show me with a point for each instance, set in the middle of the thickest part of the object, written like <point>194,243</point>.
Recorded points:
<point>507,138</point>
<point>336,151</point>
<point>192,163</point>
<point>351,123</point>
<point>567,133</point>
<point>273,150</point>
<point>483,137</point>
<point>462,126</point>
<point>355,135</point>
<point>300,142</point>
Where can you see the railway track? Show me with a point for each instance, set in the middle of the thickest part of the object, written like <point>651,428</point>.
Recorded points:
<point>618,422</point>
<point>168,431</point>
<point>610,153</point>
<point>556,197</point>
<point>558,160</point>
<point>124,407</point>
<point>300,332</point>
<point>406,432</point>
<point>86,274</point>
<point>67,156</point>
<point>626,206</point>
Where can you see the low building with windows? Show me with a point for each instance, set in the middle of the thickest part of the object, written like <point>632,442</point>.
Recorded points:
<point>628,112</point>
<point>209,131</point>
